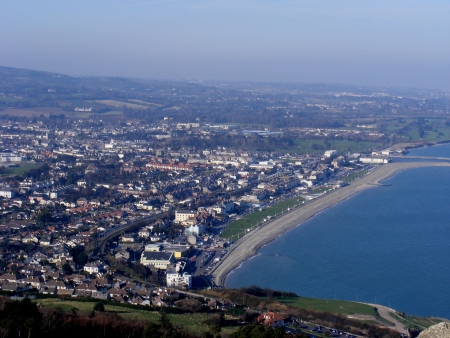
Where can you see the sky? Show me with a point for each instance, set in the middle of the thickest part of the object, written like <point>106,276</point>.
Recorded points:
<point>402,43</point>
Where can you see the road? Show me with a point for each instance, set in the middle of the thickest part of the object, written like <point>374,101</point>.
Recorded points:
<point>383,311</point>
<point>116,231</point>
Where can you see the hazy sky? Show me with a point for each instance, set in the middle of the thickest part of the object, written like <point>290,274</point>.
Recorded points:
<point>381,42</point>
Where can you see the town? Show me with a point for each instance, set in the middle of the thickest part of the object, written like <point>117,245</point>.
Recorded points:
<point>99,207</point>
<point>127,202</point>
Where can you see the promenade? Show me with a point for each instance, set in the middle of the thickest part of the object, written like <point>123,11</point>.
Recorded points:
<point>248,245</point>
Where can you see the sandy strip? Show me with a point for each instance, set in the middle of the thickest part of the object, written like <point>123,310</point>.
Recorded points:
<point>247,246</point>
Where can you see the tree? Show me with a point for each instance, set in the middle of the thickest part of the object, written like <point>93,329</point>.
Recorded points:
<point>22,318</point>
<point>44,217</point>
<point>82,258</point>
<point>67,269</point>
<point>151,330</point>
<point>75,252</point>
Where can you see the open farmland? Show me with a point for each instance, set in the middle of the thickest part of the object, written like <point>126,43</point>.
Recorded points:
<point>121,104</point>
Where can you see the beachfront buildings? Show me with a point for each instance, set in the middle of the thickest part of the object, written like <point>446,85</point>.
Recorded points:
<point>373,160</point>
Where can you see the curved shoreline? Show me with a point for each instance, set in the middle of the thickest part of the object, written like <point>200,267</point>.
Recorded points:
<point>248,246</point>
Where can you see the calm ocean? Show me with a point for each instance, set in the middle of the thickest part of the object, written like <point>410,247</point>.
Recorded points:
<point>387,245</point>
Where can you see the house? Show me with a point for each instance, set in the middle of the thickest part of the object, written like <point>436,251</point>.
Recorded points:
<point>82,201</point>
<point>95,202</point>
<point>99,295</point>
<point>65,292</point>
<point>33,281</point>
<point>9,277</point>
<point>30,239</point>
<point>144,233</point>
<point>116,292</point>
<point>46,241</point>
<point>14,287</point>
<point>220,304</point>
<point>271,319</point>
<point>130,238</point>
<point>85,290</point>
<point>92,268</point>
<point>59,285</point>
<point>48,290</point>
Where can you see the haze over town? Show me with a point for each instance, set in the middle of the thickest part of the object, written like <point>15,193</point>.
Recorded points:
<point>401,43</point>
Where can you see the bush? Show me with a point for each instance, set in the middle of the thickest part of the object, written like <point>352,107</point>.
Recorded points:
<point>99,307</point>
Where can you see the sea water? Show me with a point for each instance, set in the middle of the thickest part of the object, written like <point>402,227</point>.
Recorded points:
<point>387,245</point>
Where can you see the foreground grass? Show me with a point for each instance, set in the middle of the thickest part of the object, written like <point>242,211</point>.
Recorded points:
<point>191,322</point>
<point>239,227</point>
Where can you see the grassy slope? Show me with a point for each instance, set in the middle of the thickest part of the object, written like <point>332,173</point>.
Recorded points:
<point>334,306</point>
<point>192,322</point>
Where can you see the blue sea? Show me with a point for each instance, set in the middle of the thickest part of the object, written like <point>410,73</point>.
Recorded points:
<point>388,245</point>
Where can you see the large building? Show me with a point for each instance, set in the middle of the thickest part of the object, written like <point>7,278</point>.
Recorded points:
<point>175,277</point>
<point>185,216</point>
<point>7,192</point>
<point>373,160</point>
<point>159,260</point>
<point>10,157</point>
<point>195,229</point>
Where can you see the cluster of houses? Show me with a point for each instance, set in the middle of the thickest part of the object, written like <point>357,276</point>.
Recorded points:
<point>149,182</point>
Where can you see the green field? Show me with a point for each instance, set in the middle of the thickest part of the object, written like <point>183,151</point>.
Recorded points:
<point>334,306</point>
<point>414,322</point>
<point>319,146</point>
<point>113,113</point>
<point>239,227</point>
<point>354,175</point>
<point>320,190</point>
<point>121,104</point>
<point>192,322</point>
<point>13,171</point>
<point>145,103</point>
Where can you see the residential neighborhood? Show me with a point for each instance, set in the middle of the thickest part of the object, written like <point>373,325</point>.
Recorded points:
<point>87,209</point>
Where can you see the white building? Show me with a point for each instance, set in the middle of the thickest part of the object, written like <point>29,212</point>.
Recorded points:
<point>176,278</point>
<point>373,160</point>
<point>329,153</point>
<point>195,229</point>
<point>7,193</point>
<point>93,268</point>
<point>10,157</point>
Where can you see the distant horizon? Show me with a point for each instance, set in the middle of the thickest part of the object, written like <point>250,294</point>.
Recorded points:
<point>219,81</point>
<point>400,44</point>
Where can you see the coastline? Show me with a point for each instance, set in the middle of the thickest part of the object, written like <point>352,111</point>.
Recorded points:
<point>248,246</point>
